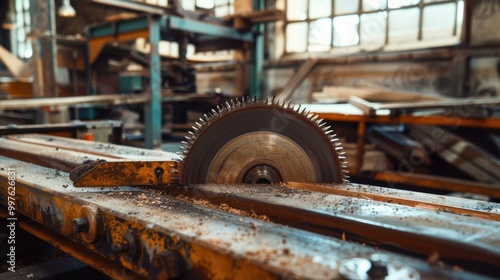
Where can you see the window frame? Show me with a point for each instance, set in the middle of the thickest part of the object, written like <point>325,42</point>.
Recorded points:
<point>16,40</point>
<point>421,5</point>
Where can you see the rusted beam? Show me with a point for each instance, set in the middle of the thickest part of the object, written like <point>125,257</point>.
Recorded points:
<point>438,182</point>
<point>159,237</point>
<point>363,219</point>
<point>104,150</point>
<point>472,208</point>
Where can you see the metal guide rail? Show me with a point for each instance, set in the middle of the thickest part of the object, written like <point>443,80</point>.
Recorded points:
<point>164,230</point>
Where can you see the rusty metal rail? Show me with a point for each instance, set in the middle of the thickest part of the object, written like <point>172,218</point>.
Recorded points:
<point>206,230</point>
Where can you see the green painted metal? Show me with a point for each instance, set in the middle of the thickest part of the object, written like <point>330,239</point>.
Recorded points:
<point>257,55</point>
<point>118,27</point>
<point>163,27</point>
<point>153,112</point>
<point>200,27</point>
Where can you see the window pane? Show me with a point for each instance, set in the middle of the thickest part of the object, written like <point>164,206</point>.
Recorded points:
<point>205,4</point>
<point>19,20</point>
<point>320,35</point>
<point>21,34</point>
<point>296,10</point>
<point>393,4</point>
<point>26,4</point>
<point>403,25</point>
<point>296,40</point>
<point>188,5</point>
<point>373,29</point>
<point>346,6</point>
<point>221,11</point>
<point>432,1</point>
<point>439,21</point>
<point>220,2</point>
<point>460,17</point>
<point>320,8</point>
<point>28,51</point>
<point>373,5</point>
<point>27,18</point>
<point>345,30</point>
<point>19,6</point>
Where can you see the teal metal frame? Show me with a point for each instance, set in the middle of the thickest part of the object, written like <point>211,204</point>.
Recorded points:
<point>257,56</point>
<point>162,28</point>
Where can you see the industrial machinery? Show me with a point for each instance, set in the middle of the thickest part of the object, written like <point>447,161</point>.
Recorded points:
<point>259,191</point>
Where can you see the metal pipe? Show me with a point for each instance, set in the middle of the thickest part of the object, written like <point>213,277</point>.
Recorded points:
<point>43,40</point>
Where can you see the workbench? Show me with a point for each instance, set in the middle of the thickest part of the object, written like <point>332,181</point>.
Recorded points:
<point>348,113</point>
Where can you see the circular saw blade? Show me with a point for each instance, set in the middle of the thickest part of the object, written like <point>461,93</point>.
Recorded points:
<point>261,141</point>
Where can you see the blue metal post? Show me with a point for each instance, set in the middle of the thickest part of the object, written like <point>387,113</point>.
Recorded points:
<point>257,56</point>
<point>153,114</point>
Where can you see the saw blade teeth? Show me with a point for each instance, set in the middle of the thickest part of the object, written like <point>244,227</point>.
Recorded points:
<point>200,127</point>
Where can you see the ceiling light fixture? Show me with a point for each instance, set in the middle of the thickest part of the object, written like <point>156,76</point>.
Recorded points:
<point>66,10</point>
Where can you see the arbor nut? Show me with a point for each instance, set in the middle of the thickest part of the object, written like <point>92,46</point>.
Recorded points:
<point>379,263</point>
<point>88,224</point>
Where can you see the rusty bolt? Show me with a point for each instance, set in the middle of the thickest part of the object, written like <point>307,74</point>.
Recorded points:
<point>88,223</point>
<point>129,245</point>
<point>159,175</point>
<point>80,225</point>
<point>120,247</point>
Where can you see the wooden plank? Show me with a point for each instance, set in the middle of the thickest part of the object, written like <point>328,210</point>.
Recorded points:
<point>297,79</point>
<point>462,154</point>
<point>16,66</point>
<point>438,182</point>
<point>373,107</point>
<point>115,99</point>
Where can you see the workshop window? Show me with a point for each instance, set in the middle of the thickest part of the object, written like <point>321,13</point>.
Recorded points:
<point>21,46</point>
<point>218,8</point>
<point>329,25</point>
